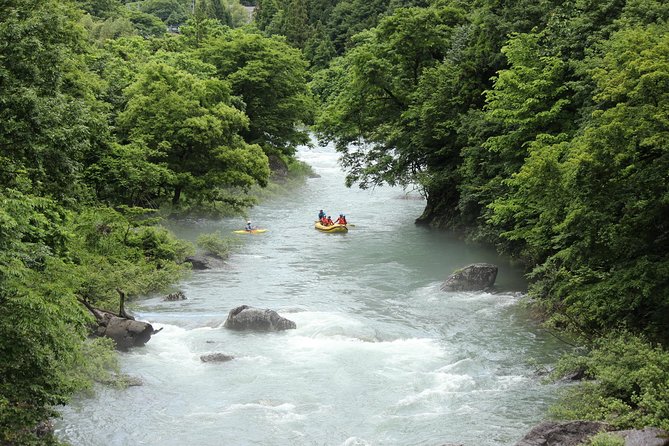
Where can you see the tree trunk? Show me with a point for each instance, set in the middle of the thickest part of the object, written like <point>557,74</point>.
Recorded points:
<point>177,195</point>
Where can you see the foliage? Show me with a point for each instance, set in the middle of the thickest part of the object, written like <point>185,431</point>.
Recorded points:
<point>51,121</point>
<point>323,29</point>
<point>628,380</point>
<point>172,12</point>
<point>190,124</point>
<point>216,245</point>
<point>606,439</point>
<point>37,317</point>
<point>101,8</point>
<point>587,209</point>
<point>111,250</point>
<point>270,78</point>
<point>147,25</point>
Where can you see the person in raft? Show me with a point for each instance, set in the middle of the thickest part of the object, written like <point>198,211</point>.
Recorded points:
<point>329,221</point>
<point>341,220</point>
<point>248,226</point>
<point>324,221</point>
<point>321,214</point>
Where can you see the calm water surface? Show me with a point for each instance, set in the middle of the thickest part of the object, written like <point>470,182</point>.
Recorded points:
<point>380,355</point>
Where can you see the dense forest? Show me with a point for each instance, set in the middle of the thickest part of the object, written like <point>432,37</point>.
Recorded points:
<point>541,127</point>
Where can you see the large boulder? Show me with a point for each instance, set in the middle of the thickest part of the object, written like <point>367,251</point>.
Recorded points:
<point>205,261</point>
<point>249,318</point>
<point>566,433</point>
<point>475,277</point>
<point>126,333</point>
<point>650,436</point>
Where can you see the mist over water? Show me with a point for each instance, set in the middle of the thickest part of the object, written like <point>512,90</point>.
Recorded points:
<point>380,355</point>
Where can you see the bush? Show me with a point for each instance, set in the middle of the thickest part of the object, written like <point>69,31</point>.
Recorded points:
<point>628,383</point>
<point>216,245</point>
<point>604,439</point>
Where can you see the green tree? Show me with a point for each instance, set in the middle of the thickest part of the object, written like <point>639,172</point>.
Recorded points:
<point>147,25</point>
<point>529,99</point>
<point>51,121</point>
<point>191,124</point>
<point>270,78</point>
<point>591,207</point>
<point>171,12</point>
<point>41,323</point>
<point>214,9</point>
<point>296,28</point>
<point>372,111</point>
<point>101,8</point>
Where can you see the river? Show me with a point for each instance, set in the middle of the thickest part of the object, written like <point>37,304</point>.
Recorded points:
<point>380,355</point>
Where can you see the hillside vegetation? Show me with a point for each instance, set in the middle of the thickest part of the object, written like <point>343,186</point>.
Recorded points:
<point>541,127</point>
<point>106,121</point>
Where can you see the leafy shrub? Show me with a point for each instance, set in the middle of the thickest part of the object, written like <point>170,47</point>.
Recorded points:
<point>628,383</point>
<point>605,439</point>
<point>216,245</point>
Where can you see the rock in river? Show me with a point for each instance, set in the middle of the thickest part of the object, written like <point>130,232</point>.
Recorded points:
<point>216,357</point>
<point>249,318</point>
<point>475,277</point>
<point>562,433</point>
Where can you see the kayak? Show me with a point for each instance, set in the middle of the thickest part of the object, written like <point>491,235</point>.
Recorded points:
<point>252,231</point>
<point>333,228</point>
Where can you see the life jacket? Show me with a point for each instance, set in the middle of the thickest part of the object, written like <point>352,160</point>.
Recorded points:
<point>341,221</point>
<point>329,222</point>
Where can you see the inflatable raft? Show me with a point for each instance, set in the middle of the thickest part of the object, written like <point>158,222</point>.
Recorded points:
<point>333,228</point>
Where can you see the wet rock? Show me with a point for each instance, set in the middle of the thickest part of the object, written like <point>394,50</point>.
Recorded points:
<point>650,436</point>
<point>204,261</point>
<point>475,277</point>
<point>126,333</point>
<point>565,433</point>
<point>575,375</point>
<point>123,329</point>
<point>216,357</point>
<point>249,318</point>
<point>179,295</point>
<point>45,429</point>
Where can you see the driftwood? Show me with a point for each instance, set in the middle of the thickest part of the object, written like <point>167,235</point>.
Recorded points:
<point>122,328</point>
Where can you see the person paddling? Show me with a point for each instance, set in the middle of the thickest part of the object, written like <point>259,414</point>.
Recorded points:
<point>248,226</point>
<point>341,220</point>
<point>321,214</point>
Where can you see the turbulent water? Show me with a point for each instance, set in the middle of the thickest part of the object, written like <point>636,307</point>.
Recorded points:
<point>380,355</point>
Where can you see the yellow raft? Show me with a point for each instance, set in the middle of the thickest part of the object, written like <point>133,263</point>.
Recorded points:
<point>334,228</point>
<point>252,231</point>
